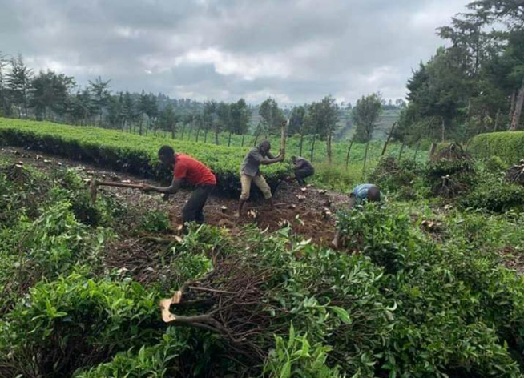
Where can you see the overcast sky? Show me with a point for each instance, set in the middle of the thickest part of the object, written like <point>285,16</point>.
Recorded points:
<point>295,51</point>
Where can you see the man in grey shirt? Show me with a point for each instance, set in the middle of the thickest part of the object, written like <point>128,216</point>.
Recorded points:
<point>250,172</point>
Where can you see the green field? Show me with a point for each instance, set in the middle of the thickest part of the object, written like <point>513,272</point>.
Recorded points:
<point>138,154</point>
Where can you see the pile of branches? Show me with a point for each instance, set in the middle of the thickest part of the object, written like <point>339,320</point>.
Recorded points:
<point>231,301</point>
<point>142,258</point>
<point>449,187</point>
<point>451,171</point>
<point>515,174</point>
<point>452,152</point>
<point>393,175</point>
<point>385,168</point>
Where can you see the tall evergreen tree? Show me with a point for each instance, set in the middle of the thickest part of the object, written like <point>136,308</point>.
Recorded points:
<point>365,114</point>
<point>19,83</point>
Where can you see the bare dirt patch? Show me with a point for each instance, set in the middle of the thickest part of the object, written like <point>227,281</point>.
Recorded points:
<point>309,212</point>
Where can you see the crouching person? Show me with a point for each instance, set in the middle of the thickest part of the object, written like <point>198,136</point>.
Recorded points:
<point>302,169</point>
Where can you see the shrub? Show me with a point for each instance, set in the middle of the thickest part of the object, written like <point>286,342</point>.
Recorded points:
<point>496,196</point>
<point>75,322</point>
<point>130,153</point>
<point>455,305</point>
<point>70,185</point>
<point>22,191</point>
<point>403,178</point>
<point>495,164</point>
<point>377,232</point>
<point>53,244</point>
<point>155,221</point>
<point>149,361</point>
<point>456,308</point>
<point>335,298</point>
<point>508,145</point>
<point>298,357</point>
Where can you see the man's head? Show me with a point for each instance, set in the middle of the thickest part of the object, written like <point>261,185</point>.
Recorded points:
<point>167,156</point>
<point>265,146</point>
<point>294,159</point>
<point>374,195</point>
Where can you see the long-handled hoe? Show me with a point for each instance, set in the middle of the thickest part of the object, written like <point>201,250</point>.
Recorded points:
<point>93,184</point>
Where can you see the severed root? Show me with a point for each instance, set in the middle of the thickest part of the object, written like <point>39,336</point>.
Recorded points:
<point>165,304</point>
<point>205,321</point>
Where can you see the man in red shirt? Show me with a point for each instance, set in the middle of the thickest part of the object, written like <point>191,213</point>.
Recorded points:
<point>192,171</point>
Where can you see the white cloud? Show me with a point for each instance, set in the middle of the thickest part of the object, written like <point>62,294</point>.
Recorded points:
<point>246,67</point>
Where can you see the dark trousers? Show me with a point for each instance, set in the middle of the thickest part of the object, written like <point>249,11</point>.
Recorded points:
<point>302,173</point>
<point>193,209</point>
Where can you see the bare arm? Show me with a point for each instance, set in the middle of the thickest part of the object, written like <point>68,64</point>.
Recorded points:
<point>352,201</point>
<point>265,159</point>
<point>172,189</point>
<point>271,161</point>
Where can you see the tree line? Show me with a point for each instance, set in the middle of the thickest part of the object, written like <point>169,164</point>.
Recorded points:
<point>52,97</point>
<point>476,84</point>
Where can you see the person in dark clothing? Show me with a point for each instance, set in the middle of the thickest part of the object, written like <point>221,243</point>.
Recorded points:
<point>302,169</point>
<point>250,172</point>
<point>192,171</point>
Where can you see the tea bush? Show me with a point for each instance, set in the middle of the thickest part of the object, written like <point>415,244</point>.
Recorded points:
<point>495,164</point>
<point>297,357</point>
<point>70,185</point>
<point>53,244</point>
<point>404,179</point>
<point>335,298</point>
<point>75,322</point>
<point>456,307</point>
<point>385,237</point>
<point>154,221</point>
<point>508,145</point>
<point>159,360</point>
<point>496,196</point>
<point>130,153</point>
<point>22,191</point>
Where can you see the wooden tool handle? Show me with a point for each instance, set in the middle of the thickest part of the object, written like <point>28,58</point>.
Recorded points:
<point>283,136</point>
<point>119,184</point>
